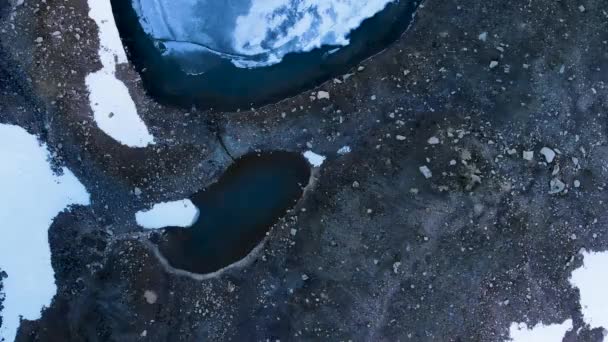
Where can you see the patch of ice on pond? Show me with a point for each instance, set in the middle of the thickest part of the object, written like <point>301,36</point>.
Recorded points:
<point>254,33</point>
<point>314,159</point>
<point>31,196</point>
<point>113,108</point>
<point>168,214</point>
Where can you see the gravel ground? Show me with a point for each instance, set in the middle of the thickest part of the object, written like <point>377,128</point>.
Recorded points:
<point>437,226</point>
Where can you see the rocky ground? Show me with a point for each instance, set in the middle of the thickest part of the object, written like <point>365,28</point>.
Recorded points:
<point>381,252</point>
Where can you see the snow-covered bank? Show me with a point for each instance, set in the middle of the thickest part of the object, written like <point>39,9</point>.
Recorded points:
<point>168,214</point>
<point>113,108</point>
<point>31,195</point>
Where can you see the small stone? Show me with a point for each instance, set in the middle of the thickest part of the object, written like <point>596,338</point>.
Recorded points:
<point>556,186</point>
<point>548,153</point>
<point>322,95</point>
<point>528,155</point>
<point>433,141</point>
<point>305,277</point>
<point>396,266</point>
<point>399,137</point>
<point>577,183</point>
<point>344,150</point>
<point>575,161</point>
<point>426,172</point>
<point>483,36</point>
<point>493,64</point>
<point>39,40</point>
<point>361,68</point>
<point>151,297</point>
<point>373,97</point>
<point>293,231</point>
<point>137,192</point>
<point>581,8</point>
<point>355,184</point>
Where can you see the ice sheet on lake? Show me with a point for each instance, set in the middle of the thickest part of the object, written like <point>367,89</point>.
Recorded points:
<point>253,33</point>
<point>314,159</point>
<point>31,195</point>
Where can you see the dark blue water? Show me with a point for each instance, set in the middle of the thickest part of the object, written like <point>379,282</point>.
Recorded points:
<point>237,211</point>
<point>224,86</point>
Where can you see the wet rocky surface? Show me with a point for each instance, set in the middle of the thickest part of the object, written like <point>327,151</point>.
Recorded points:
<point>375,251</point>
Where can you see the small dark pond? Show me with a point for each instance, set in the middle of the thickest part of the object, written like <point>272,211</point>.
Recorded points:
<point>237,211</point>
<point>219,83</point>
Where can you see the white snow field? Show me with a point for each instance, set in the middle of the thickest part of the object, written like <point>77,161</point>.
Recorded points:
<point>31,195</point>
<point>520,332</point>
<point>113,108</point>
<point>592,281</point>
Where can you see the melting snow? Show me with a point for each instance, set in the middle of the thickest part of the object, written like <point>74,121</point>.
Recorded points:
<point>32,195</point>
<point>168,214</point>
<point>113,108</point>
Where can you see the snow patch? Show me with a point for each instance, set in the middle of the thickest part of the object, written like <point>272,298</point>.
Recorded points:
<point>314,159</point>
<point>592,281</point>
<point>520,332</point>
<point>168,214</point>
<point>113,108</point>
<point>32,195</point>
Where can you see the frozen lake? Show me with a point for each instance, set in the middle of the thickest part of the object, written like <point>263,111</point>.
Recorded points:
<point>250,33</point>
<point>231,54</point>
